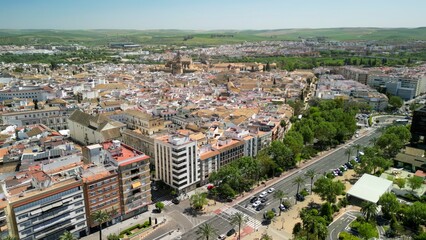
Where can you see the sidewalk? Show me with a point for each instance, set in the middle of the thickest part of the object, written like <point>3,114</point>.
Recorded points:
<point>118,227</point>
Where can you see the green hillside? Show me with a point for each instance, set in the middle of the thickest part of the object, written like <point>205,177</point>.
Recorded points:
<point>177,37</point>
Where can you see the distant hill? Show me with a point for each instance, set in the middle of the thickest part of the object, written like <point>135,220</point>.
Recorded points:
<point>189,37</point>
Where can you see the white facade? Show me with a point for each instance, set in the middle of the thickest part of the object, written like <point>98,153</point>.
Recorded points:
<point>48,217</point>
<point>177,162</point>
<point>54,118</point>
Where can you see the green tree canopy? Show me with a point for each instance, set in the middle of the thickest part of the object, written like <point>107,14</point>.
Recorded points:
<point>328,189</point>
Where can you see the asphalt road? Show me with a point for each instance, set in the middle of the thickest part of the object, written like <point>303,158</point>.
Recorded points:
<point>323,165</point>
<point>341,224</point>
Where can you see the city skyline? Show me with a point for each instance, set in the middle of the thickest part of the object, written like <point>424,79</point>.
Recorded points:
<point>217,15</point>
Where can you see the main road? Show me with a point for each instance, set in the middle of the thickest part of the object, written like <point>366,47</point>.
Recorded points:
<point>322,165</point>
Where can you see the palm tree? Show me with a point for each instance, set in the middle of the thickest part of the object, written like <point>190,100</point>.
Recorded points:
<point>100,217</point>
<point>206,231</point>
<point>67,236</point>
<point>357,147</point>
<point>280,194</point>
<point>369,210</point>
<point>298,180</point>
<point>311,174</point>
<point>348,152</point>
<point>238,219</point>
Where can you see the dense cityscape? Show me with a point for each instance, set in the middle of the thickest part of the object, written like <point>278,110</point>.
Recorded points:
<point>176,134</point>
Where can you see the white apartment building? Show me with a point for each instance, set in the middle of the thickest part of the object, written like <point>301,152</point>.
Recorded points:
<point>47,214</point>
<point>28,92</point>
<point>177,162</point>
<point>52,117</point>
<point>405,87</point>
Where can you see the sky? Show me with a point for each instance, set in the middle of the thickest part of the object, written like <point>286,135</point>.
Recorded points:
<point>210,14</point>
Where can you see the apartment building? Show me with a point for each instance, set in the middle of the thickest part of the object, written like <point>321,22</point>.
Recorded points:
<point>137,120</point>
<point>134,176</point>
<point>101,193</point>
<point>52,117</point>
<point>177,162</point>
<point>40,93</point>
<point>44,207</point>
<point>140,142</point>
<point>229,149</point>
<point>356,74</point>
<point>87,129</point>
<point>405,87</point>
<point>209,163</point>
<point>4,229</point>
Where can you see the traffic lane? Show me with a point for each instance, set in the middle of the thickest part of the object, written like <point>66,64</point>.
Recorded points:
<point>341,224</point>
<point>323,165</point>
<point>218,222</point>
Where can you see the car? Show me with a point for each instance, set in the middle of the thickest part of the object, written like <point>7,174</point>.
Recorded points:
<point>257,203</point>
<point>282,208</point>
<point>271,190</point>
<point>260,207</point>
<point>264,200</point>
<point>175,201</point>
<point>357,135</point>
<point>154,188</point>
<point>221,237</point>
<point>263,194</point>
<point>253,199</point>
<point>345,167</point>
<point>300,197</point>
<point>274,210</point>
<point>230,232</point>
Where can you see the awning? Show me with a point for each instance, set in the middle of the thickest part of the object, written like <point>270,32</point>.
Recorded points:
<point>136,184</point>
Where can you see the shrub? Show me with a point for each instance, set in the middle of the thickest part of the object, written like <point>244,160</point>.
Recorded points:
<point>347,236</point>
<point>304,192</point>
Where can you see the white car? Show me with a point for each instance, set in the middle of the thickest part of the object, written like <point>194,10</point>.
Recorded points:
<point>271,190</point>
<point>263,194</point>
<point>255,204</point>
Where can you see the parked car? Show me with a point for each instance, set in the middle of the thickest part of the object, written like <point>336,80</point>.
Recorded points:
<point>175,201</point>
<point>300,197</point>
<point>282,208</point>
<point>260,207</point>
<point>271,190</point>
<point>253,199</point>
<point>274,210</point>
<point>264,200</point>
<point>221,237</point>
<point>263,194</point>
<point>257,203</point>
<point>230,232</point>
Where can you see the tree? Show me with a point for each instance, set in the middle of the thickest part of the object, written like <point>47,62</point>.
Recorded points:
<point>415,215</point>
<point>226,191</point>
<point>328,189</point>
<point>113,236</point>
<point>67,236</point>
<point>9,238</point>
<point>159,206</point>
<point>238,219</point>
<point>348,152</point>
<point>389,203</point>
<point>298,180</point>
<point>206,231</point>
<point>265,236</point>
<point>400,182</point>
<point>369,210</point>
<point>269,215</point>
<point>396,101</point>
<point>198,200</point>
<point>415,182</point>
<point>279,194</point>
<point>367,230</point>
<point>100,217</point>
<point>357,147</point>
<point>311,175</point>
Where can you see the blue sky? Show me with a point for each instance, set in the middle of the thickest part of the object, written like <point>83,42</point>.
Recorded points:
<point>209,14</point>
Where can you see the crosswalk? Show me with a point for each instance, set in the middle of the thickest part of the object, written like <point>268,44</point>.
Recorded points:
<point>227,213</point>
